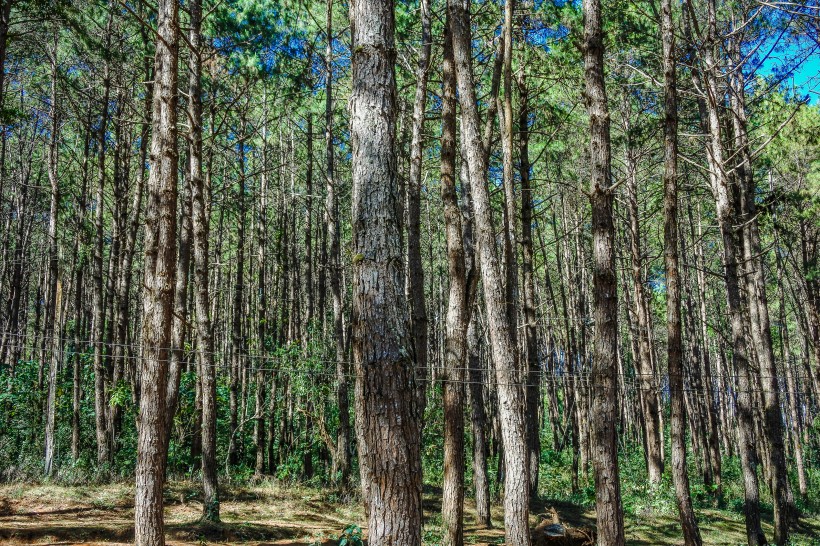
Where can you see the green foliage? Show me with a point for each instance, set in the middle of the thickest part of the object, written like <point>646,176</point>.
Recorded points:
<point>351,536</point>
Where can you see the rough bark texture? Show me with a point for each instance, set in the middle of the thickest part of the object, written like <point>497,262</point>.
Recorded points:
<point>604,406</point>
<point>674,350</point>
<point>458,316</point>
<point>160,279</point>
<point>508,376</point>
<point>387,422</point>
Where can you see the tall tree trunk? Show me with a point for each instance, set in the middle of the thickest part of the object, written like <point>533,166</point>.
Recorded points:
<point>98,294</point>
<point>237,338</point>
<point>533,393</point>
<point>387,424</point>
<point>478,420</point>
<point>54,330</point>
<point>180,318</point>
<point>160,279</point>
<point>674,350</point>
<point>262,303</point>
<point>200,223</point>
<point>341,460</point>
<point>650,407</point>
<point>605,304</point>
<point>505,122</point>
<point>458,314</point>
<point>759,306</point>
<point>415,271</point>
<point>508,376</point>
<point>727,220</point>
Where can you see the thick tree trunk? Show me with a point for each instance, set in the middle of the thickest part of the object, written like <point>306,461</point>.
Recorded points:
<point>508,376</point>
<point>605,304</point>
<point>387,424</point>
<point>160,279</point>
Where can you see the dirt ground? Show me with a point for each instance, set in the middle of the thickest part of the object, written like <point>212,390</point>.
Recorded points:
<point>277,514</point>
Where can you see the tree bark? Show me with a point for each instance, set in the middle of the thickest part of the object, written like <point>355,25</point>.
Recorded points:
<point>727,219</point>
<point>458,314</point>
<point>604,412</point>
<point>508,376</point>
<point>54,332</point>
<point>98,294</point>
<point>160,279</point>
<point>341,460</point>
<point>674,350</point>
<point>387,424</point>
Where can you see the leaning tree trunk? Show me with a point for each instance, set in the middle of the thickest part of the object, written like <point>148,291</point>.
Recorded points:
<point>387,421</point>
<point>604,412</point>
<point>680,475</point>
<point>160,279</point>
<point>759,306</point>
<point>727,220</point>
<point>510,389</point>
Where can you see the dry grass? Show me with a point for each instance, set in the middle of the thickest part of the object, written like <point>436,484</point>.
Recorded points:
<point>271,513</point>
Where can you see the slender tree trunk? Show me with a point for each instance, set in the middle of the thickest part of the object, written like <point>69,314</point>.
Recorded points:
<point>759,307</point>
<point>415,271</point>
<point>605,304</point>
<point>478,419</point>
<point>387,421</point>
<point>160,279</point>
<point>200,223</point>
<point>341,461</point>
<point>650,409</point>
<point>508,376</point>
<point>262,306</point>
<point>727,220</point>
<point>98,294</point>
<point>680,476</point>
<point>54,327</point>
<point>530,322</point>
<point>458,314</point>
<point>237,338</point>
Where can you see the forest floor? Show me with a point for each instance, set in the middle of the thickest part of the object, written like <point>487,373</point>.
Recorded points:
<point>276,514</point>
